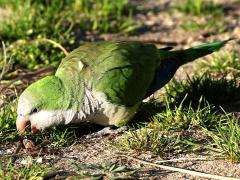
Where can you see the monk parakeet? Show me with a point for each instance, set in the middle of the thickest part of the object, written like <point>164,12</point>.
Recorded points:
<point>102,83</point>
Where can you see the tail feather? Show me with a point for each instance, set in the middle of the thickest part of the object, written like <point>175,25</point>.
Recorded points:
<point>202,50</point>
<point>172,60</point>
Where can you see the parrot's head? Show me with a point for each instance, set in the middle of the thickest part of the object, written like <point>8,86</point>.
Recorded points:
<point>40,105</point>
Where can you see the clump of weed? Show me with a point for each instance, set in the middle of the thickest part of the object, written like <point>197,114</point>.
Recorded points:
<point>104,170</point>
<point>170,131</point>
<point>8,116</point>
<point>105,15</point>
<point>222,63</point>
<point>57,137</point>
<point>164,134</point>
<point>30,171</point>
<point>226,138</point>
<point>154,140</point>
<point>213,20</point>
<point>34,19</point>
<point>217,91</point>
<point>199,7</point>
<point>35,54</point>
<point>209,25</point>
<point>63,23</point>
<point>46,19</point>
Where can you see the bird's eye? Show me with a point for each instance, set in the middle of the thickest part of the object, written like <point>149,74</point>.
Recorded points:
<point>34,110</point>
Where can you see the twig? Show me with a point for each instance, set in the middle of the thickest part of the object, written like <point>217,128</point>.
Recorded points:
<point>193,173</point>
<point>55,44</point>
<point>183,159</point>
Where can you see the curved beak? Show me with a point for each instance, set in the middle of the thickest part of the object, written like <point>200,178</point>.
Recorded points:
<point>22,123</point>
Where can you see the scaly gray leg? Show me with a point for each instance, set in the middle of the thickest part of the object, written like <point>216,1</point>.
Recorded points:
<point>107,131</point>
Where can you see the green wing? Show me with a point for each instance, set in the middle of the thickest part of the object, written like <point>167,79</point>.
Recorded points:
<point>123,71</point>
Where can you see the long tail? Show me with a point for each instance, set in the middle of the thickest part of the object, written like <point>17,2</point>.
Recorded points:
<point>172,60</point>
<point>202,50</point>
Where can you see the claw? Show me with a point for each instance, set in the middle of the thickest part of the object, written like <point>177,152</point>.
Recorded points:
<point>34,130</point>
<point>106,131</point>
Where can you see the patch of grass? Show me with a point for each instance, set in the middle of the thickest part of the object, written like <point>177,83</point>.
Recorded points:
<point>226,138</point>
<point>165,134</point>
<point>34,54</point>
<point>154,140</point>
<point>180,117</point>
<point>105,170</point>
<point>56,137</point>
<point>209,16</point>
<point>217,91</point>
<point>223,63</point>
<point>36,18</point>
<point>8,116</point>
<point>175,130</point>
<point>211,25</point>
<point>105,15</point>
<point>30,171</point>
<point>199,7</point>
<point>64,22</point>
<point>46,19</point>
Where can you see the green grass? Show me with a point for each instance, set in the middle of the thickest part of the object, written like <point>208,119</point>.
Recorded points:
<point>226,138</point>
<point>57,137</point>
<point>211,25</point>
<point>30,171</point>
<point>184,129</point>
<point>35,54</point>
<point>223,62</point>
<point>46,19</point>
<point>199,7</point>
<point>216,90</point>
<point>215,79</point>
<point>65,23</point>
<point>153,140</point>
<point>7,118</point>
<point>105,15</point>
<point>100,171</point>
<point>164,135</point>
<point>210,16</point>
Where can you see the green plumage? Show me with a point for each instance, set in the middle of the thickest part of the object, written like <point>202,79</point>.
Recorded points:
<point>121,70</point>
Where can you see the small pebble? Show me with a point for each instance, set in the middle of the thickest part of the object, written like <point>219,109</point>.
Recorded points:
<point>39,160</point>
<point>26,161</point>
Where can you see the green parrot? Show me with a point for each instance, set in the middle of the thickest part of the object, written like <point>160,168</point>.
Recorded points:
<point>102,83</point>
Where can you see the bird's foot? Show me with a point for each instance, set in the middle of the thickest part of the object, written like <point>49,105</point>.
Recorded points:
<point>107,131</point>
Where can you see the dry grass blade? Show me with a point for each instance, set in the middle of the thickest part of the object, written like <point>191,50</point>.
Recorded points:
<point>193,173</point>
<point>184,160</point>
<point>55,44</point>
<point>6,62</point>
